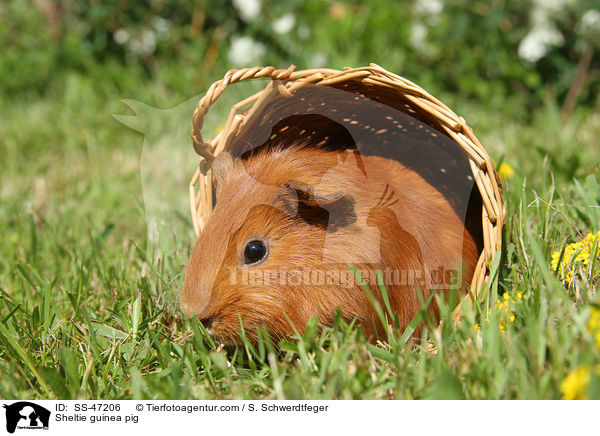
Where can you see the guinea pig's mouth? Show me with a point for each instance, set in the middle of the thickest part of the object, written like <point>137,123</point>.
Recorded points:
<point>212,328</point>
<point>208,324</point>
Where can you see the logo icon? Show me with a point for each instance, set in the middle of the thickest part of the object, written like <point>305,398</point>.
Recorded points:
<point>26,415</point>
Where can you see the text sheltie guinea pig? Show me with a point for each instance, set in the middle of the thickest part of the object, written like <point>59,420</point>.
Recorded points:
<point>288,222</point>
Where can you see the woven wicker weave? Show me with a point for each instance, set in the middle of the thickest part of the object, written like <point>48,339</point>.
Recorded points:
<point>371,82</point>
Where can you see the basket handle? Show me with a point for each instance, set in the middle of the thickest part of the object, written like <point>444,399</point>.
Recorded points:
<point>215,91</point>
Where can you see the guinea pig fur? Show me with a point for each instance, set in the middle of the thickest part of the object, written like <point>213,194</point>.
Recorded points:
<point>287,223</point>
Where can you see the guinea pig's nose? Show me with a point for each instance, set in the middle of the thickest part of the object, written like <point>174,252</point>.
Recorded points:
<point>194,302</point>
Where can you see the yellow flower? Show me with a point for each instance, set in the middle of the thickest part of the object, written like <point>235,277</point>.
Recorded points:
<point>594,325</point>
<point>504,306</point>
<point>575,253</point>
<point>505,171</point>
<point>502,326</point>
<point>575,384</point>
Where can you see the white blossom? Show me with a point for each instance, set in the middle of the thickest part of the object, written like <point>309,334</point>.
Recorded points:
<point>245,51</point>
<point>121,36</point>
<point>148,42</point>
<point>536,43</point>
<point>429,7</point>
<point>418,36</point>
<point>144,44</point>
<point>284,24</point>
<point>590,20</point>
<point>161,26</point>
<point>248,9</point>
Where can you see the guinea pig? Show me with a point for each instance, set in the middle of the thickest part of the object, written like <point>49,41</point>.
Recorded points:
<point>289,220</point>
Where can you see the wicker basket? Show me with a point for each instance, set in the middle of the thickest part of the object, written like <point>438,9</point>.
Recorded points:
<point>373,83</point>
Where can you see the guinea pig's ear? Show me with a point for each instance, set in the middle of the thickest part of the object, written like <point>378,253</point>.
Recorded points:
<point>330,212</point>
<point>221,166</point>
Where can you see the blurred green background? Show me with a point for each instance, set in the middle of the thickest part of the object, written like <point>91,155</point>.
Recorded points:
<point>485,50</point>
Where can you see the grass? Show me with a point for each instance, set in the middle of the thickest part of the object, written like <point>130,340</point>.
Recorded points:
<point>86,301</point>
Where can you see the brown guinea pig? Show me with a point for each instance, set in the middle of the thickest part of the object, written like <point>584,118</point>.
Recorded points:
<point>289,221</point>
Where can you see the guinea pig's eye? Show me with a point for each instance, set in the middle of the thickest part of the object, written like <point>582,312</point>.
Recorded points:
<point>254,252</point>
